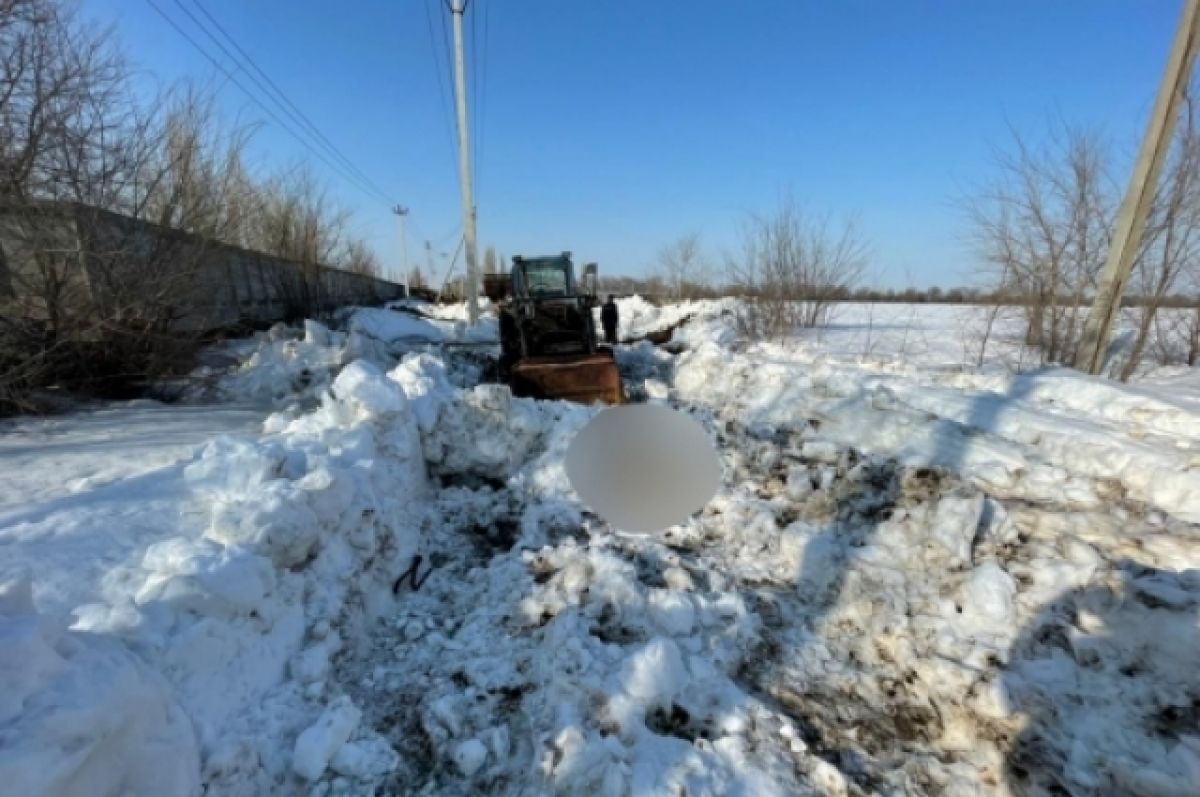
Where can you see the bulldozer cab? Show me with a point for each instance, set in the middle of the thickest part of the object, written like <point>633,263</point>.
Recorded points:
<point>540,278</point>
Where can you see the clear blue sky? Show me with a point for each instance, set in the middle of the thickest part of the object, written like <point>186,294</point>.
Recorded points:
<point>611,128</point>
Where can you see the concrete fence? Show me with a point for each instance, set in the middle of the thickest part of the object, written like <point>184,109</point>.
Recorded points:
<point>57,257</point>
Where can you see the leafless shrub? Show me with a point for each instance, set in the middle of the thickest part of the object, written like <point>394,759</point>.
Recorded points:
<point>684,268</point>
<point>1042,228</point>
<point>792,268</point>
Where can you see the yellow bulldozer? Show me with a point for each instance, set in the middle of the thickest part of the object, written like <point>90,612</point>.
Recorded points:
<point>548,345</point>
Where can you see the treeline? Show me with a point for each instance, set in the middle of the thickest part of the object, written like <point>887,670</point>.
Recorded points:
<point>659,288</point>
<point>75,132</point>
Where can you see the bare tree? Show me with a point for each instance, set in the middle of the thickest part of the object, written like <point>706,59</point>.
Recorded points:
<point>792,268</point>
<point>684,268</point>
<point>1042,228</point>
<point>97,189</point>
<point>415,278</point>
<point>360,259</point>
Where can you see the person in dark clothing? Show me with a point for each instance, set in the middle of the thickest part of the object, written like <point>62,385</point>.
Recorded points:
<point>608,317</point>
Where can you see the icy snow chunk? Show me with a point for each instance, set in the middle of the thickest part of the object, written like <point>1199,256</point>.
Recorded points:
<point>469,756</point>
<point>366,759</point>
<point>799,483</point>
<point>365,386</point>
<point>652,676</point>
<point>954,525</point>
<point>422,377</point>
<point>988,595</point>
<point>329,497</point>
<point>655,673</point>
<point>391,326</point>
<point>678,579</point>
<point>279,524</point>
<point>80,715</point>
<point>810,557</point>
<point>202,576</point>
<point>317,744</point>
<point>671,610</point>
<point>486,433</point>
<point>316,333</point>
<point>312,664</point>
<point>231,466</point>
<point>821,451</point>
<point>828,779</point>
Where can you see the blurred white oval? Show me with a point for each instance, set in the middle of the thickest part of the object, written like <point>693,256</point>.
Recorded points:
<point>643,467</point>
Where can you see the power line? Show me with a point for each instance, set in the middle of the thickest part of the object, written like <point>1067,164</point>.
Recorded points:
<point>474,67</point>
<point>359,179</point>
<point>296,113</point>
<point>443,96</point>
<point>274,117</point>
<point>483,89</point>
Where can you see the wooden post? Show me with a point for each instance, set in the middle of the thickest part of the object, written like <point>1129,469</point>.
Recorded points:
<point>1131,221</point>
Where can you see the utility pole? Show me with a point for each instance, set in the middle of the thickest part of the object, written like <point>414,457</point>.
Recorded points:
<point>401,214</point>
<point>457,9</point>
<point>429,260</point>
<point>1131,221</point>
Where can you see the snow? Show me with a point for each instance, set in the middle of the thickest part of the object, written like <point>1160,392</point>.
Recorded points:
<point>918,575</point>
<point>82,493</point>
<point>318,743</point>
<point>639,318</point>
<point>82,715</point>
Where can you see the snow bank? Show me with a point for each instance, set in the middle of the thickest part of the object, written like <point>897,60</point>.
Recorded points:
<point>391,326</point>
<point>309,527</point>
<point>1018,445</point>
<point>639,318</point>
<point>283,369</point>
<point>81,715</point>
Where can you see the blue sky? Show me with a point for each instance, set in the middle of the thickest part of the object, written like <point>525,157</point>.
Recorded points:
<point>612,127</point>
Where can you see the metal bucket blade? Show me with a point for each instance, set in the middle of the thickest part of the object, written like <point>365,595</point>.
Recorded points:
<point>583,378</point>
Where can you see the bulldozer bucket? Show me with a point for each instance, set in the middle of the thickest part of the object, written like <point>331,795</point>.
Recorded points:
<point>583,378</point>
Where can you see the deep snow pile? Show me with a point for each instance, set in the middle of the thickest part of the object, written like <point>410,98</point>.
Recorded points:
<point>1017,610</point>
<point>308,529</point>
<point>284,366</point>
<point>425,323</point>
<point>912,581</point>
<point>639,318</point>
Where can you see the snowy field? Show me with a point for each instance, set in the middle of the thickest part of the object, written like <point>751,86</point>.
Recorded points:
<point>346,565</point>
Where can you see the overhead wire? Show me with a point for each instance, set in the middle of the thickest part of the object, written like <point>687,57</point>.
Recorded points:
<point>483,86</point>
<point>295,112</point>
<point>470,51</point>
<point>274,116</point>
<point>444,100</point>
<point>359,179</point>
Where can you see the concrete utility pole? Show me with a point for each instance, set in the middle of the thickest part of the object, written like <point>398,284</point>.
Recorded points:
<point>457,9</point>
<point>401,214</point>
<point>1131,221</point>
